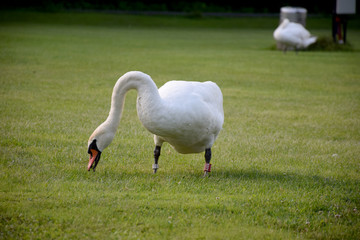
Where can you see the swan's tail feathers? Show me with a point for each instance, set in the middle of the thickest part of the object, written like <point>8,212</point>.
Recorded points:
<point>310,41</point>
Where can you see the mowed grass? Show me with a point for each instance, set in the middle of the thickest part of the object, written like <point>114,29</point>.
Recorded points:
<point>286,164</point>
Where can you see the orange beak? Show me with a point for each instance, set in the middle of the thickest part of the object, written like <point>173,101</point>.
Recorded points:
<point>93,156</point>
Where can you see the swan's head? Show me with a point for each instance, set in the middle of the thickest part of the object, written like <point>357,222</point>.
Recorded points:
<point>98,141</point>
<point>95,154</point>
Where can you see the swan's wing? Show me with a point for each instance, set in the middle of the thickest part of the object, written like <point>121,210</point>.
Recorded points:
<point>288,37</point>
<point>193,114</point>
<point>298,30</point>
<point>199,103</point>
<point>183,90</point>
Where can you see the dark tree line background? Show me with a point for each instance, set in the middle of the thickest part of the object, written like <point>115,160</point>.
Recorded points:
<point>228,6</point>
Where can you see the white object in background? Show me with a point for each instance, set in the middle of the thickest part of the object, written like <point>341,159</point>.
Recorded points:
<point>345,6</point>
<point>294,14</point>
<point>293,36</point>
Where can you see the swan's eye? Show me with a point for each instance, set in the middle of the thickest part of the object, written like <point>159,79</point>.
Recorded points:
<point>92,146</point>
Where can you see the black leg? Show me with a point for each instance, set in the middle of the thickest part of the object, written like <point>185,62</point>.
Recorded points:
<point>156,158</point>
<point>207,167</point>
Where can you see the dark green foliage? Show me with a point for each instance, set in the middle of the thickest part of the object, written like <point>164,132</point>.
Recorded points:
<point>327,44</point>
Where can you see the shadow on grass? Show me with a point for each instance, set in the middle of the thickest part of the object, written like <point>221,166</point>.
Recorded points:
<point>324,44</point>
<point>290,179</point>
<point>223,180</point>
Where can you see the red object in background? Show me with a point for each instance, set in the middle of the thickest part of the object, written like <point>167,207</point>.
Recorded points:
<point>339,28</point>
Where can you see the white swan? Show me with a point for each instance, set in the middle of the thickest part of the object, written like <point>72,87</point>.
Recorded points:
<point>188,115</point>
<point>294,35</point>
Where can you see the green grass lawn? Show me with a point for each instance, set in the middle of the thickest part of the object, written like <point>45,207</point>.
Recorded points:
<point>285,166</point>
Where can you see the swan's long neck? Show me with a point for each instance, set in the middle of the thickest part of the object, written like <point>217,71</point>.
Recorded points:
<point>147,91</point>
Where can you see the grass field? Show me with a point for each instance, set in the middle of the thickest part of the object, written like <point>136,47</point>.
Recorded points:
<point>285,166</point>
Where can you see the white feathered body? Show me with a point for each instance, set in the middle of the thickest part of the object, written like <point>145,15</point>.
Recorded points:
<point>293,35</point>
<point>190,117</point>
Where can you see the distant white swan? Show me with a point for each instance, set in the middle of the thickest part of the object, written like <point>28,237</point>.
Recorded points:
<point>187,115</point>
<point>293,35</point>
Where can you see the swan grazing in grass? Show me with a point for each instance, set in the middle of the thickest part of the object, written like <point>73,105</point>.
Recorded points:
<point>293,35</point>
<point>187,115</point>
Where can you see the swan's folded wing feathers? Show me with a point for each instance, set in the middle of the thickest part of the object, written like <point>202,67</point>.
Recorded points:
<point>194,115</point>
